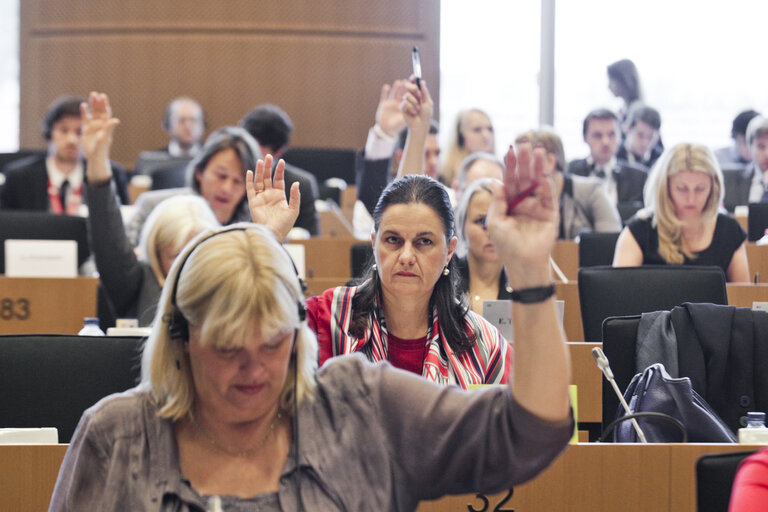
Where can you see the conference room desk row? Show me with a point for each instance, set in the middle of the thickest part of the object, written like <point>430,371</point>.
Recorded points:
<point>587,477</point>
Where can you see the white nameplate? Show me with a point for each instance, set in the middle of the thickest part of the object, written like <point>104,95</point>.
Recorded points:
<point>298,255</point>
<point>760,306</point>
<point>45,435</point>
<point>499,314</point>
<point>41,258</point>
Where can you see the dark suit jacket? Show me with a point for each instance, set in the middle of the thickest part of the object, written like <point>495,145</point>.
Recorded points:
<point>26,184</point>
<point>737,182</point>
<point>623,154</point>
<point>630,179</point>
<point>308,188</point>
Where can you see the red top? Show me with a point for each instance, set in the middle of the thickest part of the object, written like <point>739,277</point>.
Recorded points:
<point>407,355</point>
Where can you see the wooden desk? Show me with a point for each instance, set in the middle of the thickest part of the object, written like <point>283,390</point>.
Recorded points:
<point>569,292</point>
<point>757,256</point>
<point>566,255</point>
<point>603,477</point>
<point>588,380</point>
<point>328,256</point>
<point>46,305</point>
<point>743,295</point>
<point>587,477</point>
<point>28,474</point>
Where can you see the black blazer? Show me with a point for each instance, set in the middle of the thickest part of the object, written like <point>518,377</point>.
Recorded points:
<point>26,184</point>
<point>308,189</point>
<point>630,179</point>
<point>737,182</point>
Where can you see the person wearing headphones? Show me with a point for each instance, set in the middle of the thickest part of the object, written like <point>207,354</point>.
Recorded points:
<point>232,411</point>
<point>54,182</point>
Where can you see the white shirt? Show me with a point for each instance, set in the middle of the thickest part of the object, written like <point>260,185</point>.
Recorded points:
<point>609,180</point>
<point>757,187</point>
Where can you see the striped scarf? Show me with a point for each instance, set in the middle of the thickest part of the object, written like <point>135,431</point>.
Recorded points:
<point>484,363</point>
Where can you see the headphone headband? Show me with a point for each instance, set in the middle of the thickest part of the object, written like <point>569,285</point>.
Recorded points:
<point>178,325</point>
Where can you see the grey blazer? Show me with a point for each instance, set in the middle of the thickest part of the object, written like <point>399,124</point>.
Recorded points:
<point>584,206</point>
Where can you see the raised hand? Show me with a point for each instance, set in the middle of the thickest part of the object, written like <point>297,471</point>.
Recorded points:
<point>97,128</point>
<point>266,197</point>
<point>523,218</point>
<point>388,115</point>
<point>417,105</point>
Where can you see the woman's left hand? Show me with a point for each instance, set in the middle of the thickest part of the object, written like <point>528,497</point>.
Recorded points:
<point>522,221</point>
<point>266,197</point>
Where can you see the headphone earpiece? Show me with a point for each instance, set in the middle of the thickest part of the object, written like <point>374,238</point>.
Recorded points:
<point>178,327</point>
<point>460,139</point>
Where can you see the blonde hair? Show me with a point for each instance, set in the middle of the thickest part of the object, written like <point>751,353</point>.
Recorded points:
<point>171,224</point>
<point>682,157</point>
<point>228,283</point>
<point>457,150</point>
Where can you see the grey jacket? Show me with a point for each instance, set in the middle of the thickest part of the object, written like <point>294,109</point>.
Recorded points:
<point>130,284</point>
<point>584,206</point>
<point>374,438</point>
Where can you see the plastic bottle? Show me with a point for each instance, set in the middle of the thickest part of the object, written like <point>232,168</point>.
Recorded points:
<point>91,327</point>
<point>764,240</point>
<point>755,432</point>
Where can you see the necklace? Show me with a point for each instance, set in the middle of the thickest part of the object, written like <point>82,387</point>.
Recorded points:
<point>243,454</point>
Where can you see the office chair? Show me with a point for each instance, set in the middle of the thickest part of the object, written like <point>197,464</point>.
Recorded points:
<point>757,221</point>
<point>48,380</point>
<point>360,255</point>
<point>597,248</point>
<point>173,176</point>
<point>715,473</point>
<point>619,291</point>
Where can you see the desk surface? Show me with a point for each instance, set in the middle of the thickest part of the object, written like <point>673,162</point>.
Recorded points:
<point>587,477</point>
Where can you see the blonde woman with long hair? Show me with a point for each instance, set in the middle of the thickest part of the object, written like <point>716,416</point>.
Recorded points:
<point>682,223</point>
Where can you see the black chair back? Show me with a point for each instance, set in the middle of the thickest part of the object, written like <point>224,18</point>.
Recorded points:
<point>618,291</point>
<point>619,340</point>
<point>757,221</point>
<point>715,473</point>
<point>32,225</point>
<point>174,176</point>
<point>48,380</point>
<point>324,163</point>
<point>360,254</point>
<point>597,248</point>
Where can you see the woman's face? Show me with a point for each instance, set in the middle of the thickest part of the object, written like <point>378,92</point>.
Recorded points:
<point>411,250</point>
<point>479,243</point>
<point>689,192</point>
<point>222,183</point>
<point>478,133</point>
<point>168,254</point>
<point>240,384</point>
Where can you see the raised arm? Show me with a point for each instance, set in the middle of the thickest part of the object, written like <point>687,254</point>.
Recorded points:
<point>522,223</point>
<point>417,108</point>
<point>266,198</point>
<point>98,126</point>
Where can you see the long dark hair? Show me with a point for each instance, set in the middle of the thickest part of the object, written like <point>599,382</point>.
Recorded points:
<point>446,298</point>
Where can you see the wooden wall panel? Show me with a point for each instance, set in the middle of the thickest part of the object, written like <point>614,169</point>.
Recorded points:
<point>323,62</point>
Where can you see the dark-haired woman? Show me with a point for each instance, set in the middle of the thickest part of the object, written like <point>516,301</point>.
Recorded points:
<point>409,309</point>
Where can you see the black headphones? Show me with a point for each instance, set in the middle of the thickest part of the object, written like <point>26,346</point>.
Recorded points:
<point>178,325</point>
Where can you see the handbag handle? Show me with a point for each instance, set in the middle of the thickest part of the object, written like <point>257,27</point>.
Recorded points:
<point>612,425</point>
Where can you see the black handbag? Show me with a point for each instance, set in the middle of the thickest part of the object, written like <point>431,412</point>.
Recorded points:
<point>656,391</point>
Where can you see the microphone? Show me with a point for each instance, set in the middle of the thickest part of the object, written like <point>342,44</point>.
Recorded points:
<point>605,367</point>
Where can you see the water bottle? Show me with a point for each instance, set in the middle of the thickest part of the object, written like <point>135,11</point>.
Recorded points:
<point>91,327</point>
<point>755,432</point>
<point>764,240</point>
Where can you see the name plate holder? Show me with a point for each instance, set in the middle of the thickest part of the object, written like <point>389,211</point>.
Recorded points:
<point>30,305</point>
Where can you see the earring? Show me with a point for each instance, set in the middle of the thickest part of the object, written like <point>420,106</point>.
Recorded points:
<point>446,271</point>
<point>373,267</point>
